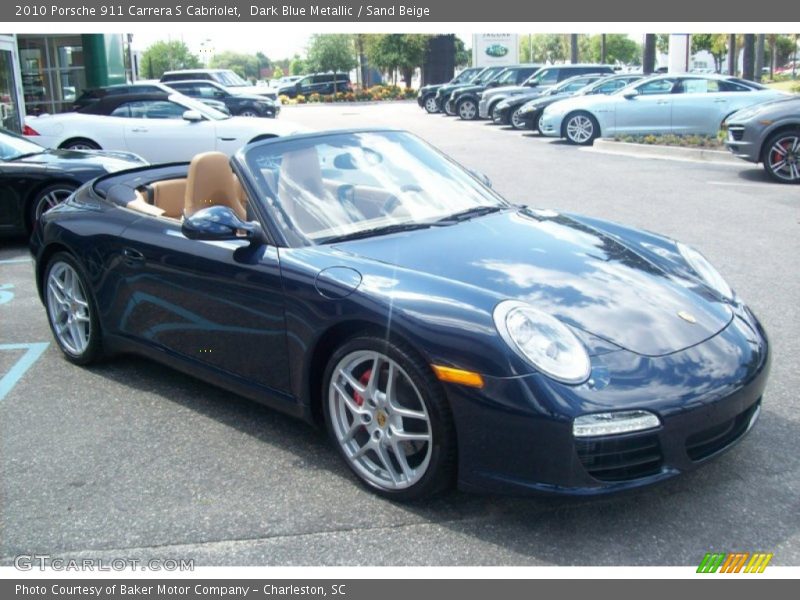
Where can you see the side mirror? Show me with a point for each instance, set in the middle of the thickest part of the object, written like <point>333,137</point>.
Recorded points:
<point>192,116</point>
<point>630,95</point>
<point>218,223</point>
<point>482,177</point>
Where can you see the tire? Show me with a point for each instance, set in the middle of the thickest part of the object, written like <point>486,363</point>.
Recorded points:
<point>401,447</point>
<point>429,104</point>
<point>495,118</point>
<point>71,310</point>
<point>467,109</point>
<point>248,112</point>
<point>47,198</point>
<point>783,168</point>
<point>449,109</point>
<point>80,144</point>
<point>515,121</point>
<point>581,128</point>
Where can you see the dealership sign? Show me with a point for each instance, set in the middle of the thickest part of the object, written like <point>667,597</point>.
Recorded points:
<point>495,49</point>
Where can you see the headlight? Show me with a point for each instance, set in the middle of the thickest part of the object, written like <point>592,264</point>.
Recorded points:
<point>705,271</point>
<point>526,109</point>
<point>543,341</point>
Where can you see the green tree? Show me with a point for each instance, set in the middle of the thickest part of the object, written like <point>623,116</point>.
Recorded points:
<point>545,47</point>
<point>714,43</point>
<point>168,56</point>
<point>277,72</point>
<point>463,54</point>
<point>297,66</point>
<point>619,49</point>
<point>331,52</point>
<point>394,52</point>
<point>246,66</point>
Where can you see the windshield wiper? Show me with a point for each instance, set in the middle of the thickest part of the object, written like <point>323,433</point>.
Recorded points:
<point>374,231</point>
<point>465,215</point>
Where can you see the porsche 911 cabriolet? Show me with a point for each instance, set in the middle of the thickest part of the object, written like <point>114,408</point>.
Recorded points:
<point>364,281</point>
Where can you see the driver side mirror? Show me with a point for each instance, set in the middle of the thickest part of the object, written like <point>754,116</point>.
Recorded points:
<point>219,223</point>
<point>630,95</point>
<point>192,116</point>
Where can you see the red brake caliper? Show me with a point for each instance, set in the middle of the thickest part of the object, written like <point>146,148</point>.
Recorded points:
<point>363,380</point>
<point>777,155</point>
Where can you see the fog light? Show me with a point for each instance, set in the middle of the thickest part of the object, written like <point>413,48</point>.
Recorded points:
<point>613,423</point>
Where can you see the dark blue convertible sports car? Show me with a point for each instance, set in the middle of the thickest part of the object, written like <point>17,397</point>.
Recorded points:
<point>363,280</point>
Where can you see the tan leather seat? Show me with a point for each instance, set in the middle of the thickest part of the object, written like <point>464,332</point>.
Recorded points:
<point>301,190</point>
<point>210,183</point>
<point>170,196</point>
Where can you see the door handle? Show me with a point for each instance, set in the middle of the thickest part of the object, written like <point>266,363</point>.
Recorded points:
<point>139,130</point>
<point>720,101</point>
<point>663,102</point>
<point>132,257</point>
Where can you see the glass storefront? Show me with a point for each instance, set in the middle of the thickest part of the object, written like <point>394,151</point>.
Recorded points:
<point>10,109</point>
<point>53,72</point>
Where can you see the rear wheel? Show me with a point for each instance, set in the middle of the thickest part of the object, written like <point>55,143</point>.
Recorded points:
<point>430,104</point>
<point>581,128</point>
<point>80,144</point>
<point>782,156</point>
<point>467,109</point>
<point>44,200</point>
<point>71,311</point>
<point>389,419</point>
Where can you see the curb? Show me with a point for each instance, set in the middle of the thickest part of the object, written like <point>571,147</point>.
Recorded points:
<point>665,152</point>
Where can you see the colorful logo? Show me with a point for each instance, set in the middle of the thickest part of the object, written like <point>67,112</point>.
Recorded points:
<point>496,50</point>
<point>734,562</point>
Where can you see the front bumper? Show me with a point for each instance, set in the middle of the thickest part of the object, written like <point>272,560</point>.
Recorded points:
<point>483,108</point>
<point>515,434</point>
<point>741,141</point>
<point>550,124</point>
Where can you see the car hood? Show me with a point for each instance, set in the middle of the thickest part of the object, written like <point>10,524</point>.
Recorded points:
<point>779,108</point>
<point>543,101</point>
<point>508,90</point>
<point>524,97</point>
<point>586,278</point>
<point>74,160</point>
<point>574,102</point>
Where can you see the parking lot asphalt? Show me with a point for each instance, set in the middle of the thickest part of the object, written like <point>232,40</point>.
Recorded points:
<point>131,459</point>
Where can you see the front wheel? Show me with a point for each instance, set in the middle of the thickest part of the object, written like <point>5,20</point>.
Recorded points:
<point>430,104</point>
<point>782,157</point>
<point>449,109</point>
<point>517,122</point>
<point>467,110</point>
<point>581,129</point>
<point>71,311</point>
<point>389,419</point>
<point>249,112</point>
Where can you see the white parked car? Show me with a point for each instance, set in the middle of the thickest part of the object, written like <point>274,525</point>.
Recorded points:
<point>157,127</point>
<point>678,104</point>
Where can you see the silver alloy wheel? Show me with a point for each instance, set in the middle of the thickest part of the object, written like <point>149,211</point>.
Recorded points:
<point>784,158</point>
<point>580,129</point>
<point>248,112</point>
<point>68,309</point>
<point>430,104</point>
<point>380,420</point>
<point>53,197</point>
<point>81,146</point>
<point>467,110</point>
<point>516,122</point>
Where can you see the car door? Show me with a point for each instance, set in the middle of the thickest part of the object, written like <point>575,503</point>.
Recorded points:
<point>698,106</point>
<point>157,131</point>
<point>194,299</point>
<point>644,109</point>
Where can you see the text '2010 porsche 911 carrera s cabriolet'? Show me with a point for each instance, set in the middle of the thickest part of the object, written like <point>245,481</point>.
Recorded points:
<point>363,280</point>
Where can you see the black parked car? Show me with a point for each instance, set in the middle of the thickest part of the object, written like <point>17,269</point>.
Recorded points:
<point>526,115</point>
<point>464,101</point>
<point>426,97</point>
<point>89,97</point>
<point>324,84</point>
<point>33,179</point>
<point>240,105</point>
<point>482,78</point>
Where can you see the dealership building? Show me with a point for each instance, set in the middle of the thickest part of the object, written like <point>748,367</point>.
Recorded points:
<point>45,73</point>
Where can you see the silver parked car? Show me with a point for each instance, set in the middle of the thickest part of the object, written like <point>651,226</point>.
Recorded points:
<point>769,133</point>
<point>678,104</point>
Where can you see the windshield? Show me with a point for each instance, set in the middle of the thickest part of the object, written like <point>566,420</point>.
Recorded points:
<point>486,76</point>
<point>229,78</point>
<point>507,76</point>
<point>201,107</point>
<point>329,187</point>
<point>12,146</point>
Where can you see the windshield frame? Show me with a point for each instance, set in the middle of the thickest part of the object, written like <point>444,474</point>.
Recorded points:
<point>266,202</point>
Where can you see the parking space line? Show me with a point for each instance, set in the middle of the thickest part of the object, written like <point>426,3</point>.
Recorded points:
<point>32,354</point>
<point>12,261</point>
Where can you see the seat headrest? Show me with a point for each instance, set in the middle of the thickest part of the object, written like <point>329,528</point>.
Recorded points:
<point>210,183</point>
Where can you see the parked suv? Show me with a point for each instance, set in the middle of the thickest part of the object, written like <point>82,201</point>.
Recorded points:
<point>426,97</point>
<point>226,77</point>
<point>318,83</point>
<point>241,105</point>
<point>482,78</point>
<point>89,97</point>
<point>464,101</point>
